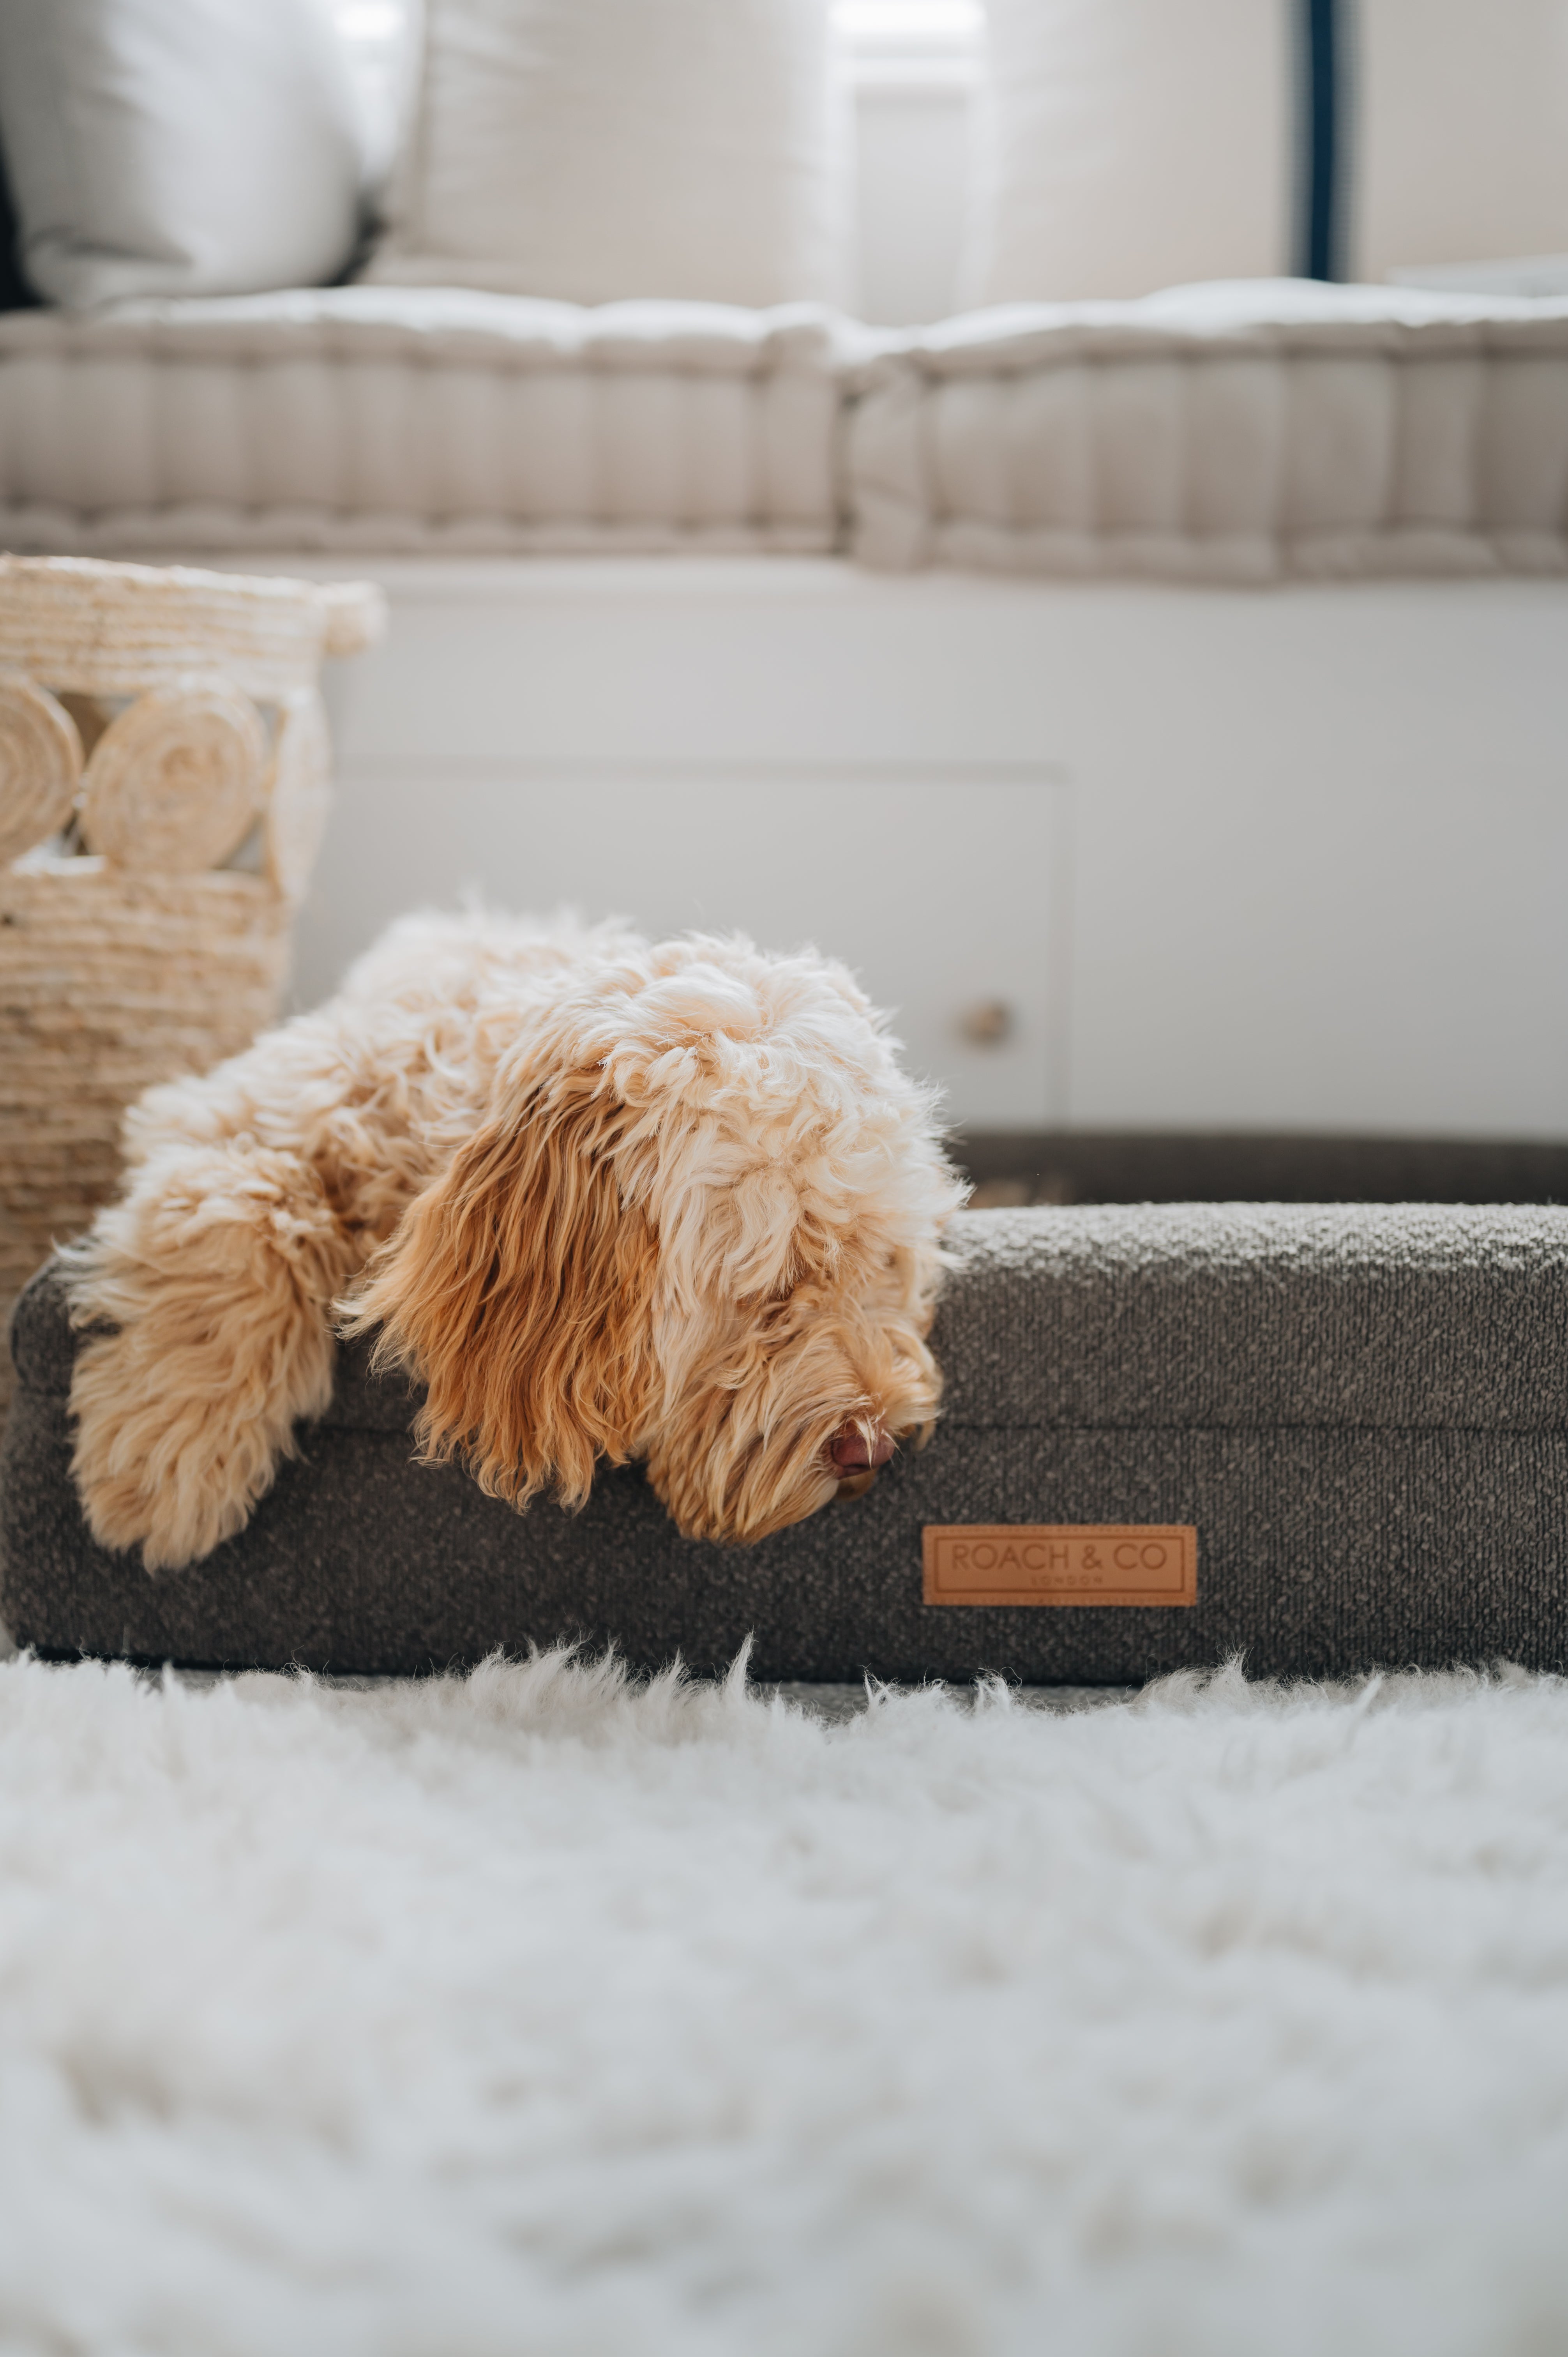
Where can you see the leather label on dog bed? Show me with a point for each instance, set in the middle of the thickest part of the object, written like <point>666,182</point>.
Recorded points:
<point>1061,1563</point>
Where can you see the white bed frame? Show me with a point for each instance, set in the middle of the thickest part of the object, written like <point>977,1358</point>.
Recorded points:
<point>1292,857</point>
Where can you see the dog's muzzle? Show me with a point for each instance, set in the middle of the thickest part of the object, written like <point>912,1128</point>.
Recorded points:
<point>856,1460</point>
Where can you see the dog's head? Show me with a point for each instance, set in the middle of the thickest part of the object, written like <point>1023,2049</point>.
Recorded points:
<point>698,1226</point>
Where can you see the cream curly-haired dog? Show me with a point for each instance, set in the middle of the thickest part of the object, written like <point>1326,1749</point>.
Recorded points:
<point>677,1204</point>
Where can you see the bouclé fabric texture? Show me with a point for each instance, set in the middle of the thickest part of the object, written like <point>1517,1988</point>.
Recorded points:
<point>1363,1410</point>
<point>536,2011</point>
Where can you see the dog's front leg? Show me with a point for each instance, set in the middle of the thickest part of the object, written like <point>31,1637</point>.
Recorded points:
<point>218,1270</point>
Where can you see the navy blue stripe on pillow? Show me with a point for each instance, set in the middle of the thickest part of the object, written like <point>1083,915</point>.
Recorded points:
<point>1323,34</point>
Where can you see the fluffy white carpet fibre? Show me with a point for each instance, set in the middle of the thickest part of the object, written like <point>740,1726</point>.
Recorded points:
<point>539,2012</point>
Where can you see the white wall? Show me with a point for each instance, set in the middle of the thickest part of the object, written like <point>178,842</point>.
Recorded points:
<point>1252,859</point>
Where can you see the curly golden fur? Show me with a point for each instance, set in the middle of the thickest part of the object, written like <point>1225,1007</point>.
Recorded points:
<point>676,1204</point>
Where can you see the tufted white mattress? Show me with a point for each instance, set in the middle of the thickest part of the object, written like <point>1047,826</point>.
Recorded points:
<point>1231,433</point>
<point>1240,432</point>
<point>420,419</point>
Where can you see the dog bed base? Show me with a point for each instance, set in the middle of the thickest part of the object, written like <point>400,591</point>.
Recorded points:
<point>1363,1411</point>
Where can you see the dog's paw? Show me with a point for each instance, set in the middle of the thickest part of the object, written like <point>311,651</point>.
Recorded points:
<point>174,1474</point>
<point>123,1513</point>
<point>215,1272</point>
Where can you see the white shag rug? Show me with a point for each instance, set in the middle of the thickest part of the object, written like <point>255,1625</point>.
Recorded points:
<point>542,2013</point>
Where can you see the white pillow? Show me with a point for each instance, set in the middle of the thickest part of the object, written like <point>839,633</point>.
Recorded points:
<point>592,150</point>
<point>178,146</point>
<point>1130,144</point>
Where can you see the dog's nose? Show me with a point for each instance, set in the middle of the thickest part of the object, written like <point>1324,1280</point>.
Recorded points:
<point>853,1453</point>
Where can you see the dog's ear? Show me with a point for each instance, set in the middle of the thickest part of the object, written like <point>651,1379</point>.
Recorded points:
<point>519,1285</point>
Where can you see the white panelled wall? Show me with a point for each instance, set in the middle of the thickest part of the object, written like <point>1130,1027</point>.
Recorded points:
<point>1283,858</point>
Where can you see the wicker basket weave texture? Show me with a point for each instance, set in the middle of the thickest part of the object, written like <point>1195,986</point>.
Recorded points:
<point>167,719</point>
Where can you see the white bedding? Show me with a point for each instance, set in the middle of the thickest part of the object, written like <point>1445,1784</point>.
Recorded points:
<point>1238,432</point>
<point>1231,433</point>
<point>419,419</point>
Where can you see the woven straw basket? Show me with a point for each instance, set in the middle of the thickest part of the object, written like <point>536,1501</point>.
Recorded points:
<point>164,780</point>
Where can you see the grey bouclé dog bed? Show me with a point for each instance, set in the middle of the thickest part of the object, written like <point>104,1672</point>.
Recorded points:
<point>1361,1411</point>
